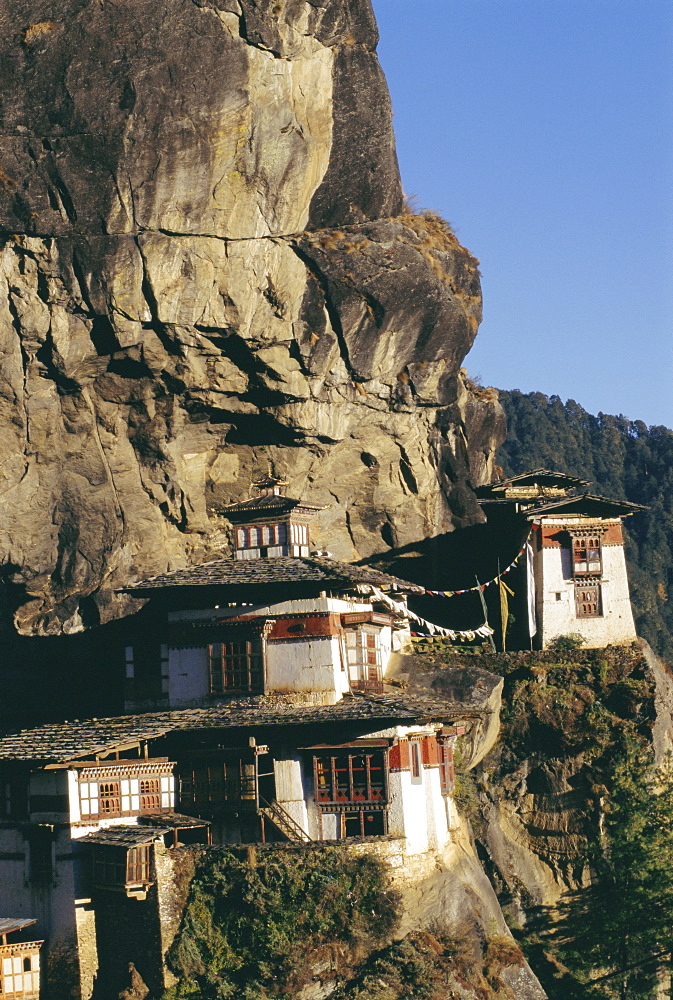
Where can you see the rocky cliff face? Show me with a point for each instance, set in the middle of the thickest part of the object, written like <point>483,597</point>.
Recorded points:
<point>541,792</point>
<point>206,268</point>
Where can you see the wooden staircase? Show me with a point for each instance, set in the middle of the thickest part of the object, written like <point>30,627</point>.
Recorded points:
<point>274,812</point>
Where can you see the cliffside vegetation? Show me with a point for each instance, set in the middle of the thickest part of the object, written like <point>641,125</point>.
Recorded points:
<point>622,923</point>
<point>265,926</point>
<point>260,930</point>
<point>573,787</point>
<point>436,967</point>
<point>624,459</point>
<point>564,701</point>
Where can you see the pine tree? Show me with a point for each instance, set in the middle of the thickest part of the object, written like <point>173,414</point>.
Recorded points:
<point>616,934</point>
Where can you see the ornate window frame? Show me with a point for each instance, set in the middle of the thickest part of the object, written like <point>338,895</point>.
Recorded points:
<point>125,788</point>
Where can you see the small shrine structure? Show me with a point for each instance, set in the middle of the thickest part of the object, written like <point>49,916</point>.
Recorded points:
<point>576,569</point>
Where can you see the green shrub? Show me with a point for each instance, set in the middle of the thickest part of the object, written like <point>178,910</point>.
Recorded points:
<point>564,642</point>
<point>256,932</point>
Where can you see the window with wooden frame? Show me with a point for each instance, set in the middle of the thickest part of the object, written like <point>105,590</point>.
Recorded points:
<point>416,761</point>
<point>587,555</point>
<point>363,654</point>
<point>104,794</point>
<point>121,867</point>
<point>150,794</point>
<point>236,666</point>
<point>351,778</point>
<point>20,971</point>
<point>274,534</point>
<point>298,533</point>
<point>208,785</point>
<point>261,536</point>
<point>588,599</point>
<point>138,865</point>
<point>447,774</point>
<point>362,823</point>
<point>109,798</point>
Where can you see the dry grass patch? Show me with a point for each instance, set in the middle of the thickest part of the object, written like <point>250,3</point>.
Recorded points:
<point>437,237</point>
<point>34,32</point>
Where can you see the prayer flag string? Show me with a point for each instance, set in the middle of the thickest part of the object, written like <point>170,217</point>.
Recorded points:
<point>398,607</point>
<point>482,586</point>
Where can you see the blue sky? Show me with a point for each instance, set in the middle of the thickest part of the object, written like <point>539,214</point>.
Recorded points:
<point>543,131</point>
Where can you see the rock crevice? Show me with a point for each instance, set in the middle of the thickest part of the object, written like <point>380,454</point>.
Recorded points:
<point>205,269</point>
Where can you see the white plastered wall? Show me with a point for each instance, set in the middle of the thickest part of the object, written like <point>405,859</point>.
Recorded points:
<point>309,666</point>
<point>418,809</point>
<point>556,615</point>
<point>290,783</point>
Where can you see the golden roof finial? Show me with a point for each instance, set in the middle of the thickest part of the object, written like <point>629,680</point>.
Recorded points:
<point>269,483</point>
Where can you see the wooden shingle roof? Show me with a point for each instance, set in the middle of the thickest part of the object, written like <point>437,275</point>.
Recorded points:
<point>329,573</point>
<point>65,742</point>
<point>537,477</point>
<point>124,836</point>
<point>586,504</point>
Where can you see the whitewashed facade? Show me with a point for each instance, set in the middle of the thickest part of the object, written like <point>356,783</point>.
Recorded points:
<point>580,596</point>
<point>319,648</point>
<point>270,721</point>
<point>579,579</point>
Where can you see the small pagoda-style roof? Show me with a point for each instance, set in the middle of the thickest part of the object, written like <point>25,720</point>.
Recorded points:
<point>588,505</point>
<point>279,570</point>
<point>268,504</point>
<point>62,744</point>
<point>539,482</point>
<point>271,502</point>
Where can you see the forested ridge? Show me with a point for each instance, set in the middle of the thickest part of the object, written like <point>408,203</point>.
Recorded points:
<point>624,459</point>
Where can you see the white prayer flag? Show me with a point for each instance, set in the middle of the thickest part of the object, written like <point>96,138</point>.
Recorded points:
<point>530,589</point>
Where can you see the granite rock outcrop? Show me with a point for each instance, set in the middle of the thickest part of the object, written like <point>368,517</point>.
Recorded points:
<point>206,268</point>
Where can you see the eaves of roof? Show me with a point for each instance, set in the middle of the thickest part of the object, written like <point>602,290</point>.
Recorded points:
<point>266,504</point>
<point>560,478</point>
<point>124,836</point>
<point>273,570</point>
<point>587,504</point>
<point>10,924</point>
<point>59,744</point>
